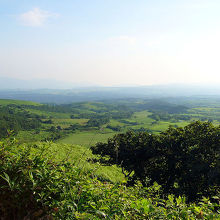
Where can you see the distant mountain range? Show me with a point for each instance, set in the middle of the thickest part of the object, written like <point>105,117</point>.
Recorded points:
<point>52,91</point>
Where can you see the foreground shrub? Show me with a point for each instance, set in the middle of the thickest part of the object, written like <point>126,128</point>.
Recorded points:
<point>35,186</point>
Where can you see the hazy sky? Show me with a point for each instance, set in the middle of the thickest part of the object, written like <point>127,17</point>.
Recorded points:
<point>111,42</point>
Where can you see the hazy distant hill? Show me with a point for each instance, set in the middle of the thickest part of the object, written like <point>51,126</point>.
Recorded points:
<point>54,93</point>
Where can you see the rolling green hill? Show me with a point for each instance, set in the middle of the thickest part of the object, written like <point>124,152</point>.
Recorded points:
<point>5,102</point>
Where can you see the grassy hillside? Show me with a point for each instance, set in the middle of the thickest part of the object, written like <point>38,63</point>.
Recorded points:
<point>83,158</point>
<point>56,182</point>
<point>86,138</point>
<point>17,102</point>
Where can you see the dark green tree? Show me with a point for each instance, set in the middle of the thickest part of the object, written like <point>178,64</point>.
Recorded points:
<point>182,160</point>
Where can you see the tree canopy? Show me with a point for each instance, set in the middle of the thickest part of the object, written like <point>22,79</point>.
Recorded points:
<point>182,160</point>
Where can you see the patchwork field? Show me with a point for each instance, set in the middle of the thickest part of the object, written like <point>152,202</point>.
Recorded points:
<point>87,123</point>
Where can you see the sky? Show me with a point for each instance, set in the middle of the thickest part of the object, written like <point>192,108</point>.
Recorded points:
<point>111,42</point>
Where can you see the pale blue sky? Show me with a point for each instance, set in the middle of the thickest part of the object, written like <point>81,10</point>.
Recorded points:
<point>111,42</point>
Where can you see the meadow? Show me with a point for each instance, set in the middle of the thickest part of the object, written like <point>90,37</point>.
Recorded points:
<point>86,138</point>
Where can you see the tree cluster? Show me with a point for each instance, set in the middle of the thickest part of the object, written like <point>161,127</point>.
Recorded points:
<point>182,160</point>
<point>13,120</point>
<point>160,115</point>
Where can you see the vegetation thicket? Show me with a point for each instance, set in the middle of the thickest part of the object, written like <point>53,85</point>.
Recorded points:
<point>184,161</point>
<point>36,185</point>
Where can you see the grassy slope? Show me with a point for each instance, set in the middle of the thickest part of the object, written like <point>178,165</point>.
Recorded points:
<point>66,122</point>
<point>50,114</point>
<point>17,102</point>
<point>86,138</point>
<point>32,136</point>
<point>79,155</point>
